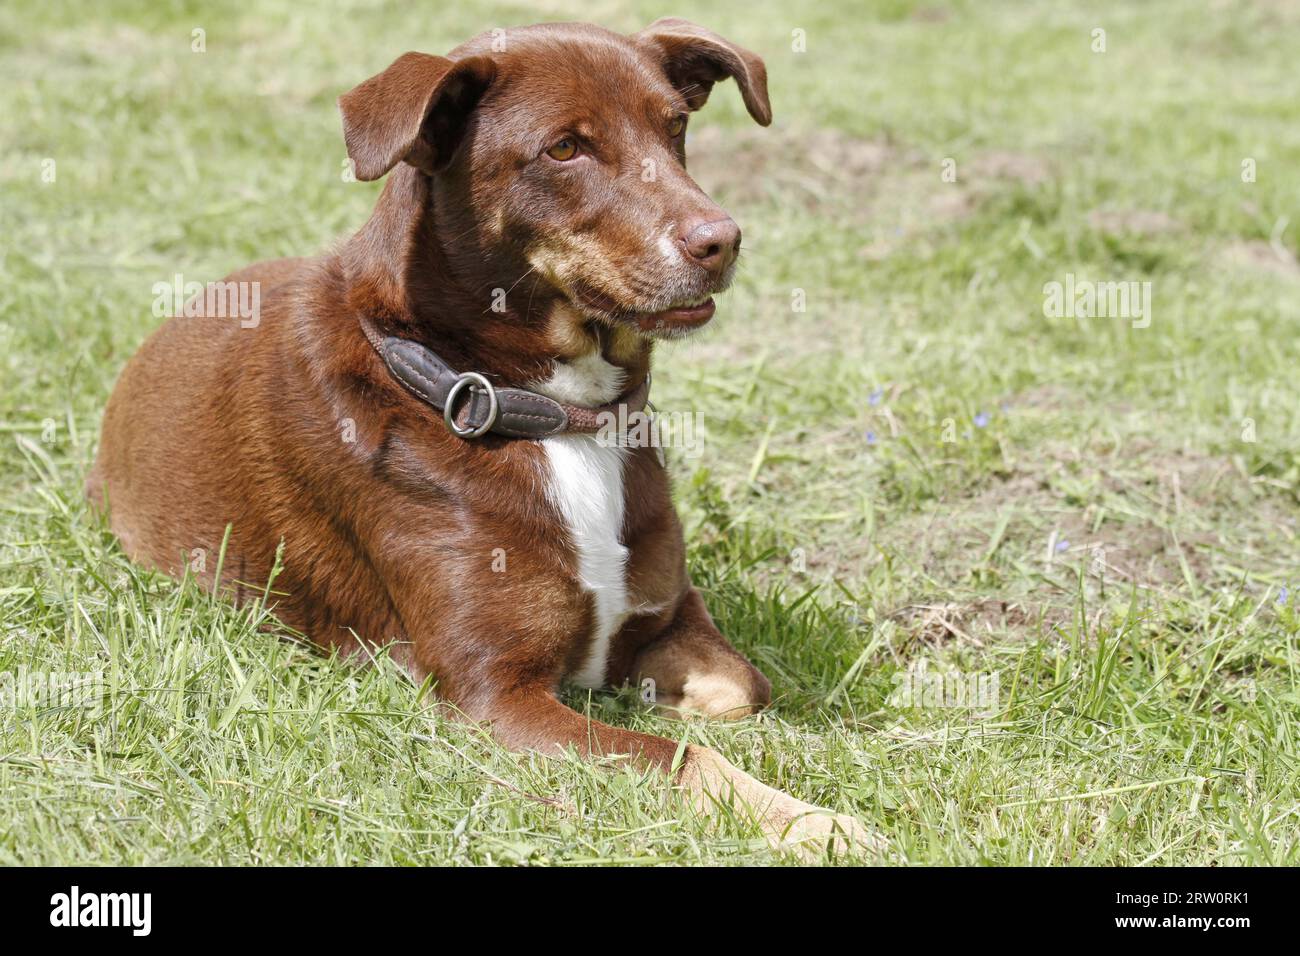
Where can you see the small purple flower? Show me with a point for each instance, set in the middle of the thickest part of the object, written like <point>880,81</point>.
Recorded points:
<point>1062,545</point>
<point>871,438</point>
<point>981,419</point>
<point>1282,595</point>
<point>875,396</point>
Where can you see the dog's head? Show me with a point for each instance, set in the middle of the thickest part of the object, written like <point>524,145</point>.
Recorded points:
<point>560,153</point>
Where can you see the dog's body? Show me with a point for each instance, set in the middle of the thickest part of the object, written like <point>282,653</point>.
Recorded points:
<point>499,566</point>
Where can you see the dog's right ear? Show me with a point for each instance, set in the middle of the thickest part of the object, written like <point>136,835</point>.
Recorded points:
<point>414,111</point>
<point>695,58</point>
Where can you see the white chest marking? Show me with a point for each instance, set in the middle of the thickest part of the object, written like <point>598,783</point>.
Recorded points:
<point>586,380</point>
<point>586,485</point>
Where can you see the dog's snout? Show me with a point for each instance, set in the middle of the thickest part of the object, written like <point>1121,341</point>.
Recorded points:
<point>713,244</point>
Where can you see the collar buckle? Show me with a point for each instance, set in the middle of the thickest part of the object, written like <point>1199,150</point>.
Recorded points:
<point>479,383</point>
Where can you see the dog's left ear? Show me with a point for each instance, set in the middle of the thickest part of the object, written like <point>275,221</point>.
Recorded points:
<point>414,111</point>
<point>695,58</point>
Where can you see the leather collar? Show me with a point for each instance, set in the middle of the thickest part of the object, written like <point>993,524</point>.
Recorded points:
<point>478,408</point>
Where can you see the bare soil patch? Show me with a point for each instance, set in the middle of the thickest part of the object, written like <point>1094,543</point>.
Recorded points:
<point>899,191</point>
<point>1138,222</point>
<point>1258,254</point>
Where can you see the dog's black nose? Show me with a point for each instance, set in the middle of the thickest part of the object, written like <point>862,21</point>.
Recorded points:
<point>712,244</point>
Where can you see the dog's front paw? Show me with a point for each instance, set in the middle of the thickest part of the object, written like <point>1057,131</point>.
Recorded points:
<point>718,696</point>
<point>788,824</point>
<point>815,834</point>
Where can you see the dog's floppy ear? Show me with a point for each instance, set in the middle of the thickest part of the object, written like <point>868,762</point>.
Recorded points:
<point>414,111</point>
<point>695,58</point>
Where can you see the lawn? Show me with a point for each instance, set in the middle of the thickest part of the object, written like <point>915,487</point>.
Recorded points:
<point>1026,584</point>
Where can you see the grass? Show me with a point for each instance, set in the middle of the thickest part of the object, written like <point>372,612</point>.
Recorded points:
<point>1111,529</point>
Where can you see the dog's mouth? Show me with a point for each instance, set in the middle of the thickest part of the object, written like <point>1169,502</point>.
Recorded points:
<point>678,319</point>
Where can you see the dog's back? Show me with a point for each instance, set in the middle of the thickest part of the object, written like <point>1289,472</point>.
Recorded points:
<point>197,437</point>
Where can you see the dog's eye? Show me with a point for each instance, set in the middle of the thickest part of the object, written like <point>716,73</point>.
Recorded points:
<point>564,150</point>
<point>676,126</point>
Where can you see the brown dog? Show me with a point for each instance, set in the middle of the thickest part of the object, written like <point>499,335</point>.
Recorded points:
<point>538,228</point>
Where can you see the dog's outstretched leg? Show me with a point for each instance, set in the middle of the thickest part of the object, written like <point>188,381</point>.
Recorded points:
<point>534,719</point>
